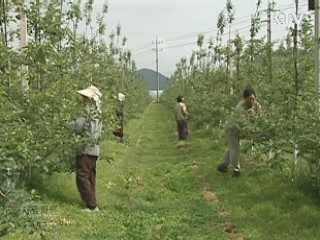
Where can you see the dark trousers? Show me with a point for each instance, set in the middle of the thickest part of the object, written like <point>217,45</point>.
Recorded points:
<point>86,179</point>
<point>182,126</point>
<point>119,131</point>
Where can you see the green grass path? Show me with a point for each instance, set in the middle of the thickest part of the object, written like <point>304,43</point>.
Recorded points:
<point>152,190</point>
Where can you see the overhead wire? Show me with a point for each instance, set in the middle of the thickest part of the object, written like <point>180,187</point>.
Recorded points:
<point>193,34</point>
<point>237,22</point>
<point>210,30</point>
<point>214,29</point>
<point>282,7</point>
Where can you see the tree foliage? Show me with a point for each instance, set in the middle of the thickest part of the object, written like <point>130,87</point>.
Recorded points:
<point>61,58</point>
<point>290,109</point>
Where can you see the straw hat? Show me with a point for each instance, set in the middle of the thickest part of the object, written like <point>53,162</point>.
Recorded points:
<point>121,97</point>
<point>91,92</point>
<point>96,90</point>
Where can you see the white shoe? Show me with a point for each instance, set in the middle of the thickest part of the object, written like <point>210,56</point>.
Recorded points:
<point>96,209</point>
<point>181,144</point>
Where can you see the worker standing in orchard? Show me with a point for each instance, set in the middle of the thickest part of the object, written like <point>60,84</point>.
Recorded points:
<point>181,114</point>
<point>89,126</point>
<point>235,130</point>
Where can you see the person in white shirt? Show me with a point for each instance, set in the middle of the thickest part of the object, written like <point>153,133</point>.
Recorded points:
<point>181,114</point>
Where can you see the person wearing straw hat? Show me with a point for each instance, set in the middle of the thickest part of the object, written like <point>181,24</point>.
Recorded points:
<point>89,125</point>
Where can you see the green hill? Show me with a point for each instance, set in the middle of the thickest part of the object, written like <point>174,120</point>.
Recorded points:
<point>150,78</point>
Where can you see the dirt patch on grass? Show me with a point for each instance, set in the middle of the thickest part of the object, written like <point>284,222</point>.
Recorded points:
<point>138,186</point>
<point>224,214</point>
<point>159,227</point>
<point>232,232</point>
<point>139,142</point>
<point>209,194</point>
<point>212,198</point>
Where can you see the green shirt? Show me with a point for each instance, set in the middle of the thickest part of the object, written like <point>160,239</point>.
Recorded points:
<point>242,117</point>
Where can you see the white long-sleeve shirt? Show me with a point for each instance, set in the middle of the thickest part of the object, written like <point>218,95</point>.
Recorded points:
<point>91,129</point>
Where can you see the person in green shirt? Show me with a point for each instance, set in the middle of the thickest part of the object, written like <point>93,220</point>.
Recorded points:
<point>242,116</point>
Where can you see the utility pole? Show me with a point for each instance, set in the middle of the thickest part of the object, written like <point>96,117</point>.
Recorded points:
<point>229,68</point>
<point>269,36</point>
<point>156,49</point>
<point>24,43</point>
<point>4,20</point>
<point>295,50</point>
<point>317,46</point>
<point>4,33</point>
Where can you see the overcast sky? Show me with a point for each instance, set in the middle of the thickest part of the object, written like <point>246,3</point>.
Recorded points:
<point>177,24</point>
